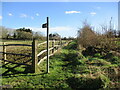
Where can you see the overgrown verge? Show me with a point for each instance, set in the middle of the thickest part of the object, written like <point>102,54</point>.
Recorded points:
<point>101,53</point>
<point>69,69</point>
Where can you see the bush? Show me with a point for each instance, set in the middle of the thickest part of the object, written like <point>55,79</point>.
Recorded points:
<point>88,38</point>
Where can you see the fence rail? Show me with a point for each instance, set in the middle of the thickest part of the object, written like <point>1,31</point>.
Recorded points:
<point>44,51</point>
<point>5,53</point>
<point>46,57</point>
<point>42,43</point>
<point>16,45</point>
<point>35,62</point>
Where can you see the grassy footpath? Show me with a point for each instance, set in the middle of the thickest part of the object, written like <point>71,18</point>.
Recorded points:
<point>56,79</point>
<point>69,69</point>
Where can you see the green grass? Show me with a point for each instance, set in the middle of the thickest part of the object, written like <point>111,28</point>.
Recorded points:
<point>68,69</point>
<point>56,78</point>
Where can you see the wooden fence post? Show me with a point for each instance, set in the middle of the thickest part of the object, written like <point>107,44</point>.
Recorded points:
<point>4,52</point>
<point>34,56</point>
<point>60,42</point>
<point>53,45</point>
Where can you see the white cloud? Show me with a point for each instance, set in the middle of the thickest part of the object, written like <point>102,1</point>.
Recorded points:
<point>37,14</point>
<point>23,15</point>
<point>10,14</point>
<point>0,17</point>
<point>93,13</point>
<point>71,12</point>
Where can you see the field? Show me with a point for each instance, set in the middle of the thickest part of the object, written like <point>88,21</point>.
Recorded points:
<point>69,68</point>
<point>24,55</point>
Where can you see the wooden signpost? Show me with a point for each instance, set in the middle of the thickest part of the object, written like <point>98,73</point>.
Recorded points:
<point>46,25</point>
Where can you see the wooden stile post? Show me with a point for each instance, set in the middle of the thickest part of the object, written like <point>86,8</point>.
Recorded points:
<point>34,56</point>
<point>60,42</point>
<point>53,45</point>
<point>4,52</point>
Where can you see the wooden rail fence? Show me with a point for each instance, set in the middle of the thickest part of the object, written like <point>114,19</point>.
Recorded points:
<point>35,54</point>
<point>55,46</point>
<point>4,53</point>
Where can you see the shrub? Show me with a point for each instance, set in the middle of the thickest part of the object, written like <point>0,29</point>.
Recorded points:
<point>88,38</point>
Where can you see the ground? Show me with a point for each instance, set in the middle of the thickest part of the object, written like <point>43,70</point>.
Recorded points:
<point>69,68</point>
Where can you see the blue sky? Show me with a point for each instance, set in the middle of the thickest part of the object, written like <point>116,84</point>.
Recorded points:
<point>65,17</point>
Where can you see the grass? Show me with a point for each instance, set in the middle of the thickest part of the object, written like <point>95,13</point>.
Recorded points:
<point>56,78</point>
<point>68,69</point>
<point>13,68</point>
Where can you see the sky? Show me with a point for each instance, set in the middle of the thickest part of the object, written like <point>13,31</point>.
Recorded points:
<point>65,18</point>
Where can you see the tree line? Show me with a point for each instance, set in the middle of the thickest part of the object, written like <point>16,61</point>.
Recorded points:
<point>20,34</point>
<point>28,34</point>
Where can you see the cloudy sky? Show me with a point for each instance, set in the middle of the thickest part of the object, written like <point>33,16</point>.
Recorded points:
<point>65,17</point>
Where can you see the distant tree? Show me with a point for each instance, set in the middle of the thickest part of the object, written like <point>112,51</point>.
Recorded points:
<point>14,35</point>
<point>55,36</point>
<point>119,33</point>
<point>4,32</point>
<point>23,33</point>
<point>8,36</point>
<point>65,38</point>
<point>38,35</point>
<point>51,36</point>
<point>24,30</point>
<point>71,38</point>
